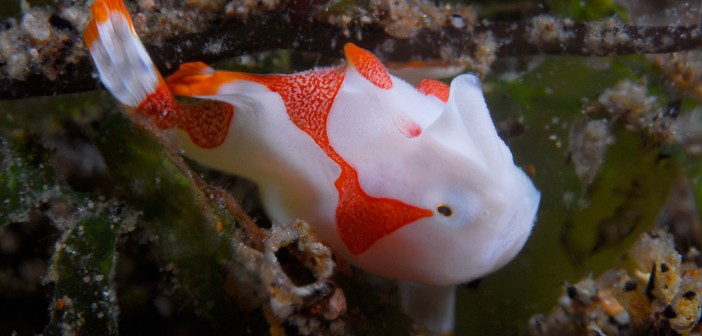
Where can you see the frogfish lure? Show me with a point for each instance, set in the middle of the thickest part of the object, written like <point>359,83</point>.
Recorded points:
<point>410,183</point>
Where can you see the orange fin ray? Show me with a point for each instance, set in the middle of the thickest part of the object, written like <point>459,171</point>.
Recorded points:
<point>198,79</point>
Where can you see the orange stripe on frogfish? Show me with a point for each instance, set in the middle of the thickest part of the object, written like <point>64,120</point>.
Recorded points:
<point>206,123</point>
<point>361,220</point>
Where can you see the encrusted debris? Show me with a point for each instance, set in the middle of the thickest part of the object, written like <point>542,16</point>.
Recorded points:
<point>484,55</point>
<point>404,19</point>
<point>40,41</point>
<point>588,144</point>
<point>545,29</point>
<point>629,103</point>
<point>663,296</point>
<point>400,19</point>
<point>45,42</point>
<point>480,61</point>
<point>683,68</point>
<point>687,130</point>
<point>605,35</point>
<point>295,270</point>
<point>680,216</point>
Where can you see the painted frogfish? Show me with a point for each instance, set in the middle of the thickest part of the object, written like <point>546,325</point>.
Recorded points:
<point>410,183</point>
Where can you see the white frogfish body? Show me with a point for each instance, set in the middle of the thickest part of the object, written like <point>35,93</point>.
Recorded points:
<point>411,183</point>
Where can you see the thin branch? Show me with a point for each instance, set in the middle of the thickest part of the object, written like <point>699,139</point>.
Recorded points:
<point>452,42</point>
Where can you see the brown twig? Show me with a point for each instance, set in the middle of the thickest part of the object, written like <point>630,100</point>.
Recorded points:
<point>209,196</point>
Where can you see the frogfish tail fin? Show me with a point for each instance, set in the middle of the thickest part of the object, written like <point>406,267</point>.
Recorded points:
<point>127,71</point>
<point>124,66</point>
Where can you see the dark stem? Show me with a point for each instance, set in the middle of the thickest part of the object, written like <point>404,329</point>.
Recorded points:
<point>446,44</point>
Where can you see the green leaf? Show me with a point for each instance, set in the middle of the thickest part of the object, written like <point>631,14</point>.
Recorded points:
<point>26,179</point>
<point>83,267</point>
<point>623,201</point>
<point>179,217</point>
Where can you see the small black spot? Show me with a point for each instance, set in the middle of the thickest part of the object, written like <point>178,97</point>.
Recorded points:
<point>292,263</point>
<point>326,290</point>
<point>673,108</point>
<point>474,283</point>
<point>572,292</point>
<point>60,23</point>
<point>689,295</point>
<point>444,210</point>
<point>630,285</point>
<point>650,284</point>
<point>664,268</point>
<point>663,157</point>
<point>291,329</point>
<point>510,129</point>
<point>43,206</point>
<point>668,312</point>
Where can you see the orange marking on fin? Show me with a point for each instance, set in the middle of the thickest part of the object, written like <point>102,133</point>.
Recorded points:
<point>198,79</point>
<point>91,34</point>
<point>101,11</point>
<point>368,66</point>
<point>191,69</point>
<point>431,87</point>
<point>361,219</point>
<point>206,123</point>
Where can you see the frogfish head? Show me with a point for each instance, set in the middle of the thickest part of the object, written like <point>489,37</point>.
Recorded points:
<point>483,205</point>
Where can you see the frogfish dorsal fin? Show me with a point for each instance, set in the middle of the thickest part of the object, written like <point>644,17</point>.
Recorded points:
<point>368,66</point>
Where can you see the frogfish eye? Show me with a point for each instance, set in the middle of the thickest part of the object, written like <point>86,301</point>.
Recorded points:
<point>444,210</point>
